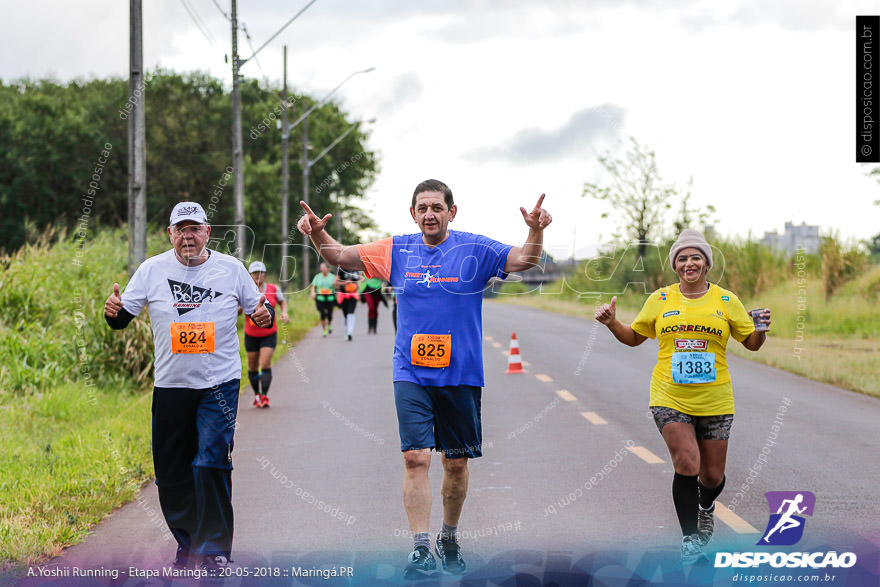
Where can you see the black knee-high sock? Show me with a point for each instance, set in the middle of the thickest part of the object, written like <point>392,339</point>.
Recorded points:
<point>265,380</point>
<point>708,495</point>
<point>254,377</point>
<point>685,495</point>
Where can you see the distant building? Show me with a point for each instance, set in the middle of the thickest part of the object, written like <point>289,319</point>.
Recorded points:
<point>794,238</point>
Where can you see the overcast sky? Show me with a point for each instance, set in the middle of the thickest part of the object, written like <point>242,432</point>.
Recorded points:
<point>505,100</point>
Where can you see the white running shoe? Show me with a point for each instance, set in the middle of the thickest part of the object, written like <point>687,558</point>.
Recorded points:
<point>691,549</point>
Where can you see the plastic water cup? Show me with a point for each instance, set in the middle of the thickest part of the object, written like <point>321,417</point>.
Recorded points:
<point>760,325</point>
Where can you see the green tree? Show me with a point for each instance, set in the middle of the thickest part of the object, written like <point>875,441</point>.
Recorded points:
<point>52,136</point>
<point>688,217</point>
<point>189,138</point>
<point>874,244</point>
<point>53,133</point>
<point>635,192</point>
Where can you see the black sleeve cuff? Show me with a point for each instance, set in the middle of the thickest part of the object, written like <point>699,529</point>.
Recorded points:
<point>123,317</point>
<point>271,314</point>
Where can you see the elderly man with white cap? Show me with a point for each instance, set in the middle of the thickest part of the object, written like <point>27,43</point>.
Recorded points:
<point>691,394</point>
<point>193,295</point>
<point>259,342</point>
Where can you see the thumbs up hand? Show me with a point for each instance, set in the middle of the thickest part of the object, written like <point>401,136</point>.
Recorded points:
<point>262,317</point>
<point>607,313</point>
<point>113,303</point>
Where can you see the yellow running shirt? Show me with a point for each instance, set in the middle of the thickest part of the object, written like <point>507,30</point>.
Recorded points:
<point>691,374</point>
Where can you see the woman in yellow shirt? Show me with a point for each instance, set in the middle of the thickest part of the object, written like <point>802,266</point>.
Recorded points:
<point>691,393</point>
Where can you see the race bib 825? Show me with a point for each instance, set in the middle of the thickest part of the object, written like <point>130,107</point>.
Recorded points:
<point>431,350</point>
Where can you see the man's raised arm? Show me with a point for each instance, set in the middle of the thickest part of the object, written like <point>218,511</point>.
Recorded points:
<point>334,253</point>
<point>528,255</point>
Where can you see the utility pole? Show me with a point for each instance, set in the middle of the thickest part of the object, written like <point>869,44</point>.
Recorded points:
<point>338,218</point>
<point>285,181</point>
<point>285,136</point>
<point>237,150</point>
<point>307,250</point>
<point>307,169</point>
<point>137,145</point>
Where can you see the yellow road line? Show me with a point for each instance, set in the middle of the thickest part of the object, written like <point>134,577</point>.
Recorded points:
<point>544,378</point>
<point>644,454</point>
<point>566,395</point>
<point>593,418</point>
<point>740,526</point>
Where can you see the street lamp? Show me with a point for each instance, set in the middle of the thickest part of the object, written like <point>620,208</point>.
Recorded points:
<point>285,146</point>
<point>307,168</point>
<point>237,148</point>
<point>326,98</point>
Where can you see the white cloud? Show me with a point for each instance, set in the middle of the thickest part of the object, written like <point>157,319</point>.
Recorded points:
<point>587,129</point>
<point>753,99</point>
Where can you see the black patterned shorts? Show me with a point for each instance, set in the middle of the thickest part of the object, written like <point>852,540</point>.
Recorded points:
<point>707,427</point>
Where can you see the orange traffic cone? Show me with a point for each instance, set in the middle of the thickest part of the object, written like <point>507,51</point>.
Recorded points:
<point>514,361</point>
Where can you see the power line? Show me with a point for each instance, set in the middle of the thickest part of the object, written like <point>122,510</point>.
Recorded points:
<point>251,45</point>
<point>257,61</point>
<point>226,16</point>
<point>278,32</point>
<point>205,32</point>
<point>198,22</point>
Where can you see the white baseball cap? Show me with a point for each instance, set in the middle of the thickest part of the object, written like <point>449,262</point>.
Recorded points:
<point>192,211</point>
<point>256,266</point>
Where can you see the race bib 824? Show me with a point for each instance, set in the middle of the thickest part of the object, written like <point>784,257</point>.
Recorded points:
<point>192,337</point>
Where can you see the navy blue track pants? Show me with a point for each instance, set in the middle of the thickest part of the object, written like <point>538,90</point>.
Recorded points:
<point>192,455</point>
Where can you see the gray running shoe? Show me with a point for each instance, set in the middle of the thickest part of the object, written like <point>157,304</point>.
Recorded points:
<point>421,564</point>
<point>449,553</point>
<point>706,524</point>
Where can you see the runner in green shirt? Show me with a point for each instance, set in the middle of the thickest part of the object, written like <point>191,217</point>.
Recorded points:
<point>325,299</point>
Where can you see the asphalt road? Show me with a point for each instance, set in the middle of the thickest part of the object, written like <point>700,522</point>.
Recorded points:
<point>575,481</point>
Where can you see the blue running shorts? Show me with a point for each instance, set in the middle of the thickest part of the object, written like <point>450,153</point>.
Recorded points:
<point>443,418</point>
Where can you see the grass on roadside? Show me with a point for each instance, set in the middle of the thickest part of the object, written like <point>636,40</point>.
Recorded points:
<point>845,362</point>
<point>73,453</point>
<point>833,341</point>
<point>74,417</point>
<point>70,456</point>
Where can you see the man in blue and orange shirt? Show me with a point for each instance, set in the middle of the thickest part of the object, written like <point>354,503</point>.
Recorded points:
<point>439,276</point>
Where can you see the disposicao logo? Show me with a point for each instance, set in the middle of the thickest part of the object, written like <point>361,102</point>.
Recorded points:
<point>785,528</point>
<point>786,525</point>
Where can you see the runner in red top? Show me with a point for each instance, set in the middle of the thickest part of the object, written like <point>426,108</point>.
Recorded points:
<point>260,343</point>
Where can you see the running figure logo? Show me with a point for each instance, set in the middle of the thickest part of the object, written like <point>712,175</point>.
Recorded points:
<point>427,279</point>
<point>786,526</point>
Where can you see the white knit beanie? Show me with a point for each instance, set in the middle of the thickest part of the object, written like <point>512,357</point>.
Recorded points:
<point>690,238</point>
